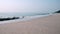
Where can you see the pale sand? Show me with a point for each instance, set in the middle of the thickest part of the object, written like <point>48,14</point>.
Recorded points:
<point>44,25</point>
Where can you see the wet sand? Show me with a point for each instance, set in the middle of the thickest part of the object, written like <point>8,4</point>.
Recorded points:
<point>44,25</point>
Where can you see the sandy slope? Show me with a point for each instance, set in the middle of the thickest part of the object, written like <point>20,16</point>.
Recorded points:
<point>45,25</point>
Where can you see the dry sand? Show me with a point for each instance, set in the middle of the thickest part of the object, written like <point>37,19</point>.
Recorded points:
<point>44,25</point>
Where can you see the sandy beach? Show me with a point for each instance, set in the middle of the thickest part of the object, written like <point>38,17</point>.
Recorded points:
<point>44,25</point>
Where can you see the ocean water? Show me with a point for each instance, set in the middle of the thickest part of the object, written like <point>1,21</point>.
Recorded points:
<point>26,17</point>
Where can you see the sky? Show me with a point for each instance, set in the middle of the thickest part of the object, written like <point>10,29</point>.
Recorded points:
<point>29,6</point>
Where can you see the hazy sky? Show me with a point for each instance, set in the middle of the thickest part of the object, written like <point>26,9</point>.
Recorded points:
<point>23,6</point>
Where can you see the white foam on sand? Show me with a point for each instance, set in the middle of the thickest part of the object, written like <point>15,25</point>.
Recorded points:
<point>23,19</point>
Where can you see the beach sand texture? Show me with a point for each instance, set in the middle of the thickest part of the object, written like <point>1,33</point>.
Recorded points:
<point>44,25</point>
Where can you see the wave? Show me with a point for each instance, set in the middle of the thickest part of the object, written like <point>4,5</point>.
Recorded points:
<point>25,18</point>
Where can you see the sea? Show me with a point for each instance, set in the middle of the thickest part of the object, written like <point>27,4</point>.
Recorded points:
<point>26,17</point>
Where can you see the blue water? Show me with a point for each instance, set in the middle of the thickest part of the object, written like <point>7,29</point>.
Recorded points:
<point>22,14</point>
<point>27,17</point>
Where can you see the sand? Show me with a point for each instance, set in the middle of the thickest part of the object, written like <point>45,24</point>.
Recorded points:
<point>44,25</point>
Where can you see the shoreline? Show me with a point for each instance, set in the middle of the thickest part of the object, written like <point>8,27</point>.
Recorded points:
<point>26,18</point>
